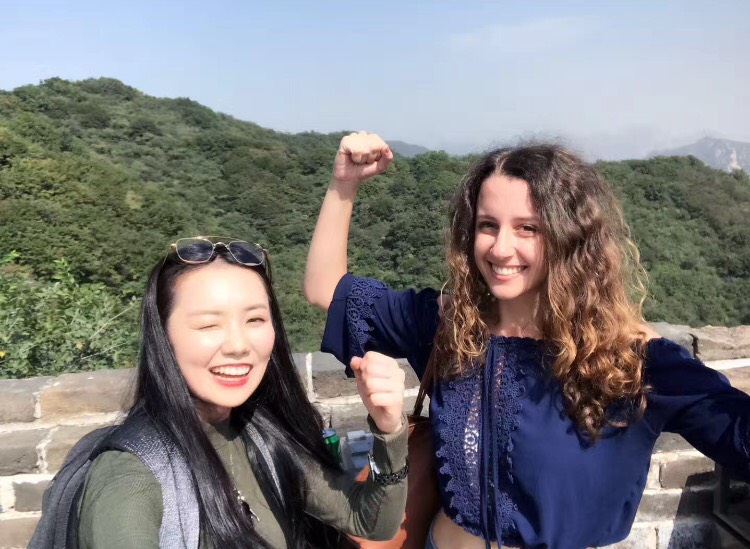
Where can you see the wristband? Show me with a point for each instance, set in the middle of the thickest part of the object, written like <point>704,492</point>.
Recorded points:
<point>386,479</point>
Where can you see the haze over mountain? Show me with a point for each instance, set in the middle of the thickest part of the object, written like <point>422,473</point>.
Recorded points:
<point>722,154</point>
<point>406,149</point>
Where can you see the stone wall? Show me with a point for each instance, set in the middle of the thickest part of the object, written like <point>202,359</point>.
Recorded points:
<point>41,418</point>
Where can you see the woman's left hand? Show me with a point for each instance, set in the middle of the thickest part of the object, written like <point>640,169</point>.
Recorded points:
<point>380,382</point>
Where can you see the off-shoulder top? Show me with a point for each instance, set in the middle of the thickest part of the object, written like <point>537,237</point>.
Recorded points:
<point>512,466</point>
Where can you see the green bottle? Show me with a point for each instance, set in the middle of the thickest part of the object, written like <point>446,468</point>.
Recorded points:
<point>331,440</point>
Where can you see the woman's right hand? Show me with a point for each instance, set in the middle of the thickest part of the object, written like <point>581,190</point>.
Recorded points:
<point>360,156</point>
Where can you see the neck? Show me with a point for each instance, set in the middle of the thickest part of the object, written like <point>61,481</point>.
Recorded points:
<point>518,317</point>
<point>211,413</point>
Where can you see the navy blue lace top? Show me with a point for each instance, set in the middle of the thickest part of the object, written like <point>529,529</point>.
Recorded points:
<point>511,464</point>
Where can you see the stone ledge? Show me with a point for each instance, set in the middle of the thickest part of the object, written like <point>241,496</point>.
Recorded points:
<point>671,504</point>
<point>18,451</point>
<point>687,472</point>
<point>739,378</point>
<point>16,529</point>
<point>18,398</point>
<point>670,442</point>
<point>90,392</point>
<point>686,534</point>
<point>642,536</point>
<point>29,495</point>
<point>721,343</point>
<point>334,384</point>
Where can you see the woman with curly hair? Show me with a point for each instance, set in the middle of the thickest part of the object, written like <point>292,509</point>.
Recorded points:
<point>547,389</point>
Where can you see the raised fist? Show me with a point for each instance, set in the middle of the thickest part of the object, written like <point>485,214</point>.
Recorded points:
<point>360,156</point>
<point>380,382</point>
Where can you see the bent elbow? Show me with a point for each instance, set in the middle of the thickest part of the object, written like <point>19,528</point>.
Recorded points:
<point>314,296</point>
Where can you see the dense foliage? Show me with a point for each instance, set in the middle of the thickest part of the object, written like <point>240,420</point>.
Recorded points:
<point>96,179</point>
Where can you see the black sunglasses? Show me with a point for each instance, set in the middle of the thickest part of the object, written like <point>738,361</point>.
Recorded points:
<point>201,249</point>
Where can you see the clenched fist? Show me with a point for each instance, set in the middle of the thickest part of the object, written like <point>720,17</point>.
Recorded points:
<point>360,156</point>
<point>380,382</point>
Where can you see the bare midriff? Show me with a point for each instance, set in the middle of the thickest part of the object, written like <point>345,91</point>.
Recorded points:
<point>447,534</point>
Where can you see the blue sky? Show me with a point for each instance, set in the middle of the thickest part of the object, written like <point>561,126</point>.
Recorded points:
<point>614,79</point>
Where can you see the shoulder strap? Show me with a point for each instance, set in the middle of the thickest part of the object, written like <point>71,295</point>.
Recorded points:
<point>257,439</point>
<point>180,524</point>
<point>428,377</point>
<point>428,380</point>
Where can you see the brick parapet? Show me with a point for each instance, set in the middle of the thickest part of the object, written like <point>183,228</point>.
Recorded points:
<point>40,419</point>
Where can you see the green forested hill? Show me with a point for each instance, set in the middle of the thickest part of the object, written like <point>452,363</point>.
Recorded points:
<point>99,175</point>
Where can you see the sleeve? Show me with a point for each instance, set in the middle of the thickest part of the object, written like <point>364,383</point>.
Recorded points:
<point>364,509</point>
<point>121,506</point>
<point>366,315</point>
<point>697,402</point>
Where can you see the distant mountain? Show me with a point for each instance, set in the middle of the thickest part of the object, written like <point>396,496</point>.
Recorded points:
<point>721,154</point>
<point>407,149</point>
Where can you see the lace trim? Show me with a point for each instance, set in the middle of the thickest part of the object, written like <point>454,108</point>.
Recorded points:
<point>459,429</point>
<point>507,405</point>
<point>359,311</point>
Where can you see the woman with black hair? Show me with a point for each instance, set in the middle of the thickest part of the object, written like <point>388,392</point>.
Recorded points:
<point>217,385</point>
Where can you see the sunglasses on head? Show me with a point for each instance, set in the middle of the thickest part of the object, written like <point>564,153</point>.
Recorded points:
<point>201,249</point>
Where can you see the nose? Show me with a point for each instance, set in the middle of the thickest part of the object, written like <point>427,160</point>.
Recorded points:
<point>236,341</point>
<point>503,246</point>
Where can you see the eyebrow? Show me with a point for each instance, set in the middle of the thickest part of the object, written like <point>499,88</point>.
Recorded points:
<point>516,219</point>
<point>218,312</point>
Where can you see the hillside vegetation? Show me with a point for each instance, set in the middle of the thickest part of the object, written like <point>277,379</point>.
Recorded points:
<point>97,178</point>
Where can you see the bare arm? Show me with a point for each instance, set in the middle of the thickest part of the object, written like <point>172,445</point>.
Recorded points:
<point>360,156</point>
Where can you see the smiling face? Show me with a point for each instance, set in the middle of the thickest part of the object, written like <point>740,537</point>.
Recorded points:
<point>222,334</point>
<point>508,246</point>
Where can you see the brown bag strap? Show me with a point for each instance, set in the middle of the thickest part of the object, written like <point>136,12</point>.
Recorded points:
<point>424,386</point>
<point>428,377</point>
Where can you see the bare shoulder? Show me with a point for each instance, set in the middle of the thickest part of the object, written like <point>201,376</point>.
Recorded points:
<point>648,332</point>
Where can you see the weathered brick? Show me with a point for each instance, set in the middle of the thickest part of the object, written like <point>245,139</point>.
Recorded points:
<point>62,441</point>
<point>325,362</point>
<point>720,343</point>
<point>739,378</point>
<point>29,495</point>
<point>685,534</point>
<point>331,384</point>
<point>671,442</point>
<point>16,531</point>
<point>90,392</point>
<point>353,417</point>
<point>680,334</point>
<point>350,417</point>
<point>17,398</point>
<point>300,362</point>
<point>18,451</point>
<point>656,506</point>
<point>687,472</point>
<point>640,537</point>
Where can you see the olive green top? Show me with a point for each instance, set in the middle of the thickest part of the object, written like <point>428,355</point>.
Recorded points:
<point>121,506</point>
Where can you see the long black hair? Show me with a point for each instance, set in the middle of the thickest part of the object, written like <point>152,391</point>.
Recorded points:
<point>279,409</point>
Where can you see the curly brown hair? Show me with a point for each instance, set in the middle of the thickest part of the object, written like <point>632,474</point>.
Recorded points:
<point>590,303</point>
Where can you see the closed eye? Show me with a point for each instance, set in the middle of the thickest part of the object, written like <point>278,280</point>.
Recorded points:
<point>486,226</point>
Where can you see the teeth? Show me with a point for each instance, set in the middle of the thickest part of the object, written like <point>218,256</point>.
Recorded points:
<point>507,270</point>
<point>231,370</point>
